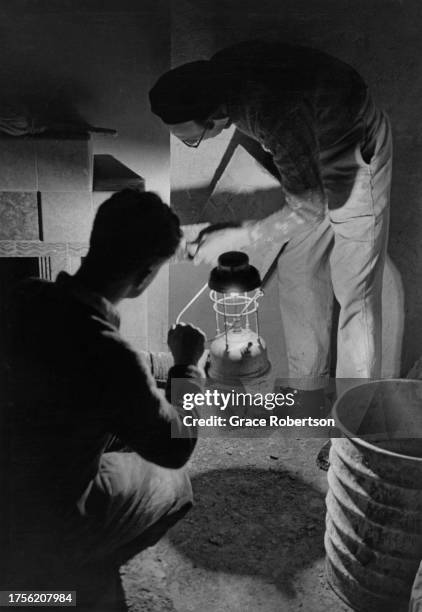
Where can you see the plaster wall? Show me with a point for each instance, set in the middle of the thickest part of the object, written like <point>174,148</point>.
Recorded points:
<point>381,39</point>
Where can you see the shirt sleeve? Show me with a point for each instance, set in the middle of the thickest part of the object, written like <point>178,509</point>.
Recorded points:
<point>141,415</point>
<point>286,129</point>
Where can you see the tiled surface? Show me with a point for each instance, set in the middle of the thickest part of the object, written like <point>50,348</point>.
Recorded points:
<point>28,164</point>
<point>64,165</point>
<point>66,217</point>
<point>17,164</point>
<point>18,216</point>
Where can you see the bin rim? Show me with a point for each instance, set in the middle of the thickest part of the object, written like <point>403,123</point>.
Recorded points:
<point>361,441</point>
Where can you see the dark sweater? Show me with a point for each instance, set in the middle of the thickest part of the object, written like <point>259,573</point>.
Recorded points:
<point>74,383</point>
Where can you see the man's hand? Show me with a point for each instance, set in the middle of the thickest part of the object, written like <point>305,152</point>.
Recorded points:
<point>186,343</point>
<point>217,239</point>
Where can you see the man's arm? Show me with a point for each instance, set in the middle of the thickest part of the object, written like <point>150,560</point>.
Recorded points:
<point>142,416</point>
<point>288,134</point>
<point>291,140</point>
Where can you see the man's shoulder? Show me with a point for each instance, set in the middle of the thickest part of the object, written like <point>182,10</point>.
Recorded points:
<point>69,322</point>
<point>36,302</point>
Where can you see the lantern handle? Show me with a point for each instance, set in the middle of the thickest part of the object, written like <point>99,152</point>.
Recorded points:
<point>189,304</point>
<point>258,293</point>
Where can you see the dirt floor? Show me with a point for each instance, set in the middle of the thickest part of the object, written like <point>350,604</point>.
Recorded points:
<point>254,540</point>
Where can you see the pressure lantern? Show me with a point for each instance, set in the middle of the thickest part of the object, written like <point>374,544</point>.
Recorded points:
<point>238,352</point>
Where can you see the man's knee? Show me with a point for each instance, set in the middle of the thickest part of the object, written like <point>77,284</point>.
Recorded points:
<point>128,479</point>
<point>174,489</point>
<point>134,503</point>
<point>183,487</point>
<point>171,499</point>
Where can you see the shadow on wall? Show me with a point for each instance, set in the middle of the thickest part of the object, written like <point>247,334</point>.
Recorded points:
<point>226,206</point>
<point>253,522</point>
<point>193,205</point>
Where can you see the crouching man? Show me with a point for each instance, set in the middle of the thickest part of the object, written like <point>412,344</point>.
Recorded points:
<point>75,510</point>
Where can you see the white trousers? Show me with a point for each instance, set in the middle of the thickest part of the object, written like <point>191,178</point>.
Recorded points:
<point>343,256</point>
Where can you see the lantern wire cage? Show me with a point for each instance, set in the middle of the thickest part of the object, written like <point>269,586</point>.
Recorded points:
<point>228,307</point>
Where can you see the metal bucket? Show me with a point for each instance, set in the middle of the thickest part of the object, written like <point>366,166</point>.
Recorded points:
<point>373,535</point>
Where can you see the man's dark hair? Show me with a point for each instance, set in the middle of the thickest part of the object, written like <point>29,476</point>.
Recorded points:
<point>191,92</point>
<point>131,231</point>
